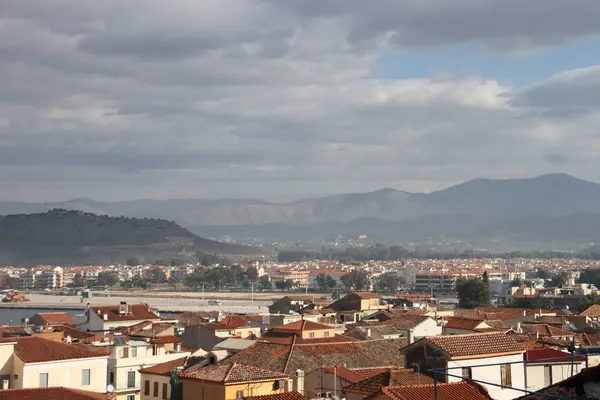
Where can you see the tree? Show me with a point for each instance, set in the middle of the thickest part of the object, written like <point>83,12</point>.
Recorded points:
<point>78,280</point>
<point>543,274</point>
<point>473,292</point>
<point>516,282</point>
<point>10,282</point>
<point>280,285</point>
<point>107,278</point>
<point>264,283</point>
<point>590,276</point>
<point>558,280</point>
<point>252,274</point>
<point>356,280</point>
<point>389,283</point>
<point>176,262</point>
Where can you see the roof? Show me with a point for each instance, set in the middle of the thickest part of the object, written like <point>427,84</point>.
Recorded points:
<point>166,339</point>
<point>234,344</point>
<point>475,344</point>
<point>466,324</point>
<point>400,320</point>
<point>463,390</point>
<point>398,377</point>
<point>302,325</point>
<point>53,393</point>
<point>352,301</point>
<point>278,396</point>
<point>139,312</point>
<point>287,358</point>
<point>548,355</point>
<point>36,349</point>
<point>234,373</point>
<point>74,332</point>
<point>292,337</point>
<point>56,318</point>
<point>344,373</point>
<point>592,311</point>
<point>164,368</point>
<point>376,331</point>
<point>196,317</point>
<point>546,330</point>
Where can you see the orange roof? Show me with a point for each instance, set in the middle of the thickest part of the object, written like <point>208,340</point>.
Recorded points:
<point>166,339</point>
<point>398,377</point>
<point>302,325</point>
<point>463,390</point>
<point>164,368</point>
<point>592,311</point>
<point>234,373</point>
<point>278,396</point>
<point>56,318</point>
<point>466,324</point>
<point>139,312</point>
<point>35,349</point>
<point>476,344</point>
<point>344,373</point>
<point>53,393</point>
<point>549,355</point>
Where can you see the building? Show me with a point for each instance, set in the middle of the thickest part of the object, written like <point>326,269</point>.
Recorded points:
<point>494,356</point>
<point>461,325</point>
<point>52,393</point>
<point>393,377</point>
<point>545,366</point>
<point>51,319</point>
<point>445,391</point>
<point>413,327</point>
<point>39,362</point>
<point>107,318</point>
<point>156,380</point>
<point>232,381</point>
<point>304,331</point>
<point>207,335</point>
<point>355,306</point>
<point>128,357</point>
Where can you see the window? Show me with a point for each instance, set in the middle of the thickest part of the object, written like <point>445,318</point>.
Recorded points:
<point>467,373</point>
<point>165,391</point>
<point>311,334</point>
<point>506,375</point>
<point>239,394</point>
<point>125,352</point>
<point>131,379</point>
<point>134,352</point>
<point>44,380</point>
<point>85,377</point>
<point>547,375</point>
<point>146,388</point>
<point>130,397</point>
<point>155,392</point>
<point>4,382</point>
<point>325,334</point>
<point>111,377</point>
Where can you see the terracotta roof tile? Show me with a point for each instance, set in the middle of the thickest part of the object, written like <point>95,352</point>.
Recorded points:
<point>592,311</point>
<point>36,349</point>
<point>235,372</point>
<point>139,312</point>
<point>446,391</point>
<point>56,318</point>
<point>164,368</point>
<point>476,344</point>
<point>372,371</point>
<point>302,325</point>
<point>404,321</point>
<point>398,377</point>
<point>278,396</point>
<point>466,324</point>
<point>546,330</point>
<point>549,355</point>
<point>166,339</point>
<point>344,373</point>
<point>53,393</point>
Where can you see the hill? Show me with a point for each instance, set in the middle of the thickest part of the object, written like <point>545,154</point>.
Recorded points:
<point>74,237</point>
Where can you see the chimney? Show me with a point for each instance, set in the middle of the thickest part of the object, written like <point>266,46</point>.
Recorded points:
<point>537,334</point>
<point>411,338</point>
<point>519,329</point>
<point>123,308</point>
<point>300,381</point>
<point>524,313</point>
<point>368,333</point>
<point>106,317</point>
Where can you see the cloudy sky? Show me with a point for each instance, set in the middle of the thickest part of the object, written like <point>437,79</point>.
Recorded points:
<point>282,99</point>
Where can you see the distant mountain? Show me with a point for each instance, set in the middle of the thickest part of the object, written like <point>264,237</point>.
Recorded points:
<point>68,237</point>
<point>475,209</point>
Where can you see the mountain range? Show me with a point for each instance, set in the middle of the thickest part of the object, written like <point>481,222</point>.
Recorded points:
<point>549,209</point>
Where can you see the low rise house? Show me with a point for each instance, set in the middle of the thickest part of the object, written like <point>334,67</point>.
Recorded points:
<point>232,381</point>
<point>584,385</point>
<point>304,331</point>
<point>495,357</point>
<point>51,319</point>
<point>206,336</point>
<point>156,380</point>
<point>99,319</point>
<point>39,362</point>
<point>545,366</point>
<point>461,325</point>
<point>413,327</point>
<point>355,306</point>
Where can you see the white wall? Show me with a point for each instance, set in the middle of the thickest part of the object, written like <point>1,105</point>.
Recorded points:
<point>429,327</point>
<point>560,372</point>
<point>492,374</point>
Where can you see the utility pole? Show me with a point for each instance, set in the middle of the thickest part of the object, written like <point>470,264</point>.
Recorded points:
<point>252,293</point>
<point>202,291</point>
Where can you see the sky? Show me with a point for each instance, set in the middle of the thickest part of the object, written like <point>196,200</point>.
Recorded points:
<point>285,99</point>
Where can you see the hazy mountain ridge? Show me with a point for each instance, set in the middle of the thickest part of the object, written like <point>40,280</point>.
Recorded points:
<point>66,237</point>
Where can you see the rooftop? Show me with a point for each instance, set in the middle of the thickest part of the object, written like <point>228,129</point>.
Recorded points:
<point>164,368</point>
<point>36,349</point>
<point>138,312</point>
<point>56,318</point>
<point>476,344</point>
<point>278,396</point>
<point>445,391</point>
<point>397,377</point>
<point>234,373</point>
<point>52,393</point>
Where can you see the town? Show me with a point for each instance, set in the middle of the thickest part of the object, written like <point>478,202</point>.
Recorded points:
<point>380,330</point>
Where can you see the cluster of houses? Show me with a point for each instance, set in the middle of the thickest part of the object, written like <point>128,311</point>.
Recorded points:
<point>356,347</point>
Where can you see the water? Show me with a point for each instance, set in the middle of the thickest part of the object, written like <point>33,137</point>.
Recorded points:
<point>14,316</point>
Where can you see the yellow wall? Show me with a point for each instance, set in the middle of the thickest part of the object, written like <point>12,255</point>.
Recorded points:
<point>320,333</point>
<point>6,352</point>
<point>155,378</point>
<point>66,373</point>
<point>195,389</point>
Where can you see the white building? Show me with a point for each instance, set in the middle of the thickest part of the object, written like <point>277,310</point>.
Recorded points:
<point>546,366</point>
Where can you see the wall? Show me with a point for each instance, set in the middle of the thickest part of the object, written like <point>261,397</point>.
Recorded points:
<point>199,336</point>
<point>66,373</point>
<point>321,381</point>
<point>535,374</point>
<point>492,374</point>
<point>6,353</point>
<point>195,389</point>
<point>155,378</point>
<point>429,327</point>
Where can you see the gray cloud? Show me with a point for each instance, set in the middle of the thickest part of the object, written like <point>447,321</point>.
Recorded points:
<point>251,98</point>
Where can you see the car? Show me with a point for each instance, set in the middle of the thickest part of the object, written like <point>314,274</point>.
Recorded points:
<point>214,302</point>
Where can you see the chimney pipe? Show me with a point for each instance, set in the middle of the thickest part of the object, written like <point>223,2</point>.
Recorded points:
<point>300,381</point>
<point>368,333</point>
<point>105,317</point>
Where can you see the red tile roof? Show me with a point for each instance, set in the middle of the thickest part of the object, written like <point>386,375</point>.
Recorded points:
<point>403,321</point>
<point>550,356</point>
<point>166,339</point>
<point>372,371</point>
<point>476,344</point>
<point>35,349</point>
<point>278,396</point>
<point>56,318</point>
<point>445,391</point>
<point>302,325</point>
<point>466,324</point>
<point>592,311</point>
<point>292,338</point>
<point>398,377</point>
<point>546,330</point>
<point>234,373</point>
<point>139,312</point>
<point>164,368</point>
<point>53,393</point>
<point>344,373</point>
